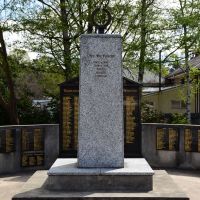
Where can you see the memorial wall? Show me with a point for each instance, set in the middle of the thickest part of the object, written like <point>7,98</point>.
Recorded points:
<point>171,145</point>
<point>169,139</point>
<point>160,146</point>
<point>69,119</point>
<point>25,147</point>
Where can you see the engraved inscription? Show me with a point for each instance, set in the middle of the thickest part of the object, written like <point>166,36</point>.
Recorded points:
<point>10,141</point>
<point>188,140</point>
<point>167,139</point>
<point>101,64</point>
<point>101,56</point>
<point>71,90</point>
<point>160,139</point>
<point>192,140</point>
<point>173,139</point>
<point>70,123</point>
<point>32,147</point>
<point>101,68</point>
<point>38,139</point>
<point>130,119</point>
<point>67,122</point>
<point>7,140</point>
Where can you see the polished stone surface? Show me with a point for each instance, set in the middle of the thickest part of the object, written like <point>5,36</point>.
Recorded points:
<point>163,189</point>
<point>132,166</point>
<point>101,139</point>
<point>65,176</point>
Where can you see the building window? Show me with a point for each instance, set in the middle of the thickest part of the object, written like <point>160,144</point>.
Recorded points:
<point>178,104</point>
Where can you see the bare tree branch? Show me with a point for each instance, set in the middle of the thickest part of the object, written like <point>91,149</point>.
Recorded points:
<point>43,2</point>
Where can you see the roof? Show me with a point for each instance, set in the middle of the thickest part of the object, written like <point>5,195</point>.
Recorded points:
<point>149,77</point>
<point>70,82</point>
<point>176,72</point>
<point>75,82</point>
<point>194,62</point>
<point>152,91</point>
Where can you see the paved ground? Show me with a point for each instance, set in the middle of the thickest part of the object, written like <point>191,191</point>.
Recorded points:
<point>11,184</point>
<point>188,181</point>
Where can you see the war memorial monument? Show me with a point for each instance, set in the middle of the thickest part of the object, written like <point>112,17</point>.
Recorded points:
<point>100,171</point>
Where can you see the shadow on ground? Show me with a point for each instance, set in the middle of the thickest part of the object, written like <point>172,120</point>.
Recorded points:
<point>18,177</point>
<point>188,173</point>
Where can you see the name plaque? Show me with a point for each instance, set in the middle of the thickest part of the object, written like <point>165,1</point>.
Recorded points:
<point>130,123</point>
<point>167,139</point>
<point>7,140</point>
<point>70,122</point>
<point>192,140</point>
<point>32,160</point>
<point>32,147</point>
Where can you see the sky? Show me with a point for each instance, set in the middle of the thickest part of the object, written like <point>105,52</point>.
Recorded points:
<point>12,39</point>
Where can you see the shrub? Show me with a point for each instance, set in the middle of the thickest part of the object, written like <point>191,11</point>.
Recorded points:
<point>150,115</point>
<point>177,119</point>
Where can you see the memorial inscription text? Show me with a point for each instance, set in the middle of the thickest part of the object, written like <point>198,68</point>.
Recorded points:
<point>167,139</point>
<point>70,119</point>
<point>101,64</point>
<point>32,147</point>
<point>192,140</point>
<point>130,124</point>
<point>70,122</point>
<point>7,140</point>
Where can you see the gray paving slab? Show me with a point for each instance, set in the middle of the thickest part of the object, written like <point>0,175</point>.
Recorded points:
<point>188,181</point>
<point>11,184</point>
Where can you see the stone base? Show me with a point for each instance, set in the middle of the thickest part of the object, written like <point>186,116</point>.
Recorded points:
<point>163,189</point>
<point>64,175</point>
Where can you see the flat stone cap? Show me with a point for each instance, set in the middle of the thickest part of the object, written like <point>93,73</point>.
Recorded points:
<point>101,36</point>
<point>132,166</point>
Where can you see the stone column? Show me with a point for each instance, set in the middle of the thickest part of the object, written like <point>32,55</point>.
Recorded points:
<point>101,137</point>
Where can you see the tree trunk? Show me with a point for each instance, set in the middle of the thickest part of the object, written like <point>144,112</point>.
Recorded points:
<point>90,26</point>
<point>142,41</point>
<point>188,103</point>
<point>186,49</point>
<point>10,106</point>
<point>66,40</point>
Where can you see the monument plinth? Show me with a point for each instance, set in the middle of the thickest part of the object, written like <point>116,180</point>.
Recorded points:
<point>101,170</point>
<point>100,165</point>
<point>101,132</point>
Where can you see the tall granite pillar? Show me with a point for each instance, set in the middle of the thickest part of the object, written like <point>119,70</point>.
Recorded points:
<point>100,137</point>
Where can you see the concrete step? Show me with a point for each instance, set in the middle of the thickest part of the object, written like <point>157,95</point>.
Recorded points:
<point>64,175</point>
<point>163,189</point>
